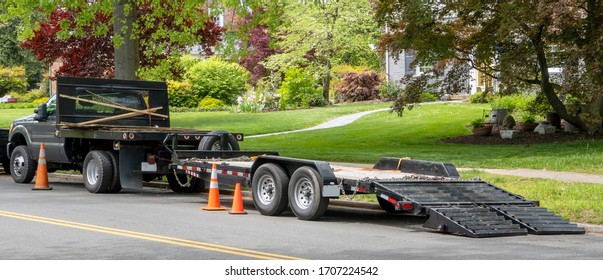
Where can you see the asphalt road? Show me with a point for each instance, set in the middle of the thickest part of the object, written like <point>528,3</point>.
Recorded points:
<point>68,223</point>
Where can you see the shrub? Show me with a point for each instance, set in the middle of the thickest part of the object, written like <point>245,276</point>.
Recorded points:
<point>218,79</point>
<point>512,102</point>
<point>30,96</point>
<point>298,90</point>
<point>359,87</point>
<point>12,80</point>
<point>256,101</point>
<point>390,90</point>
<point>211,103</point>
<point>40,100</point>
<point>427,97</point>
<point>180,94</point>
<point>480,97</point>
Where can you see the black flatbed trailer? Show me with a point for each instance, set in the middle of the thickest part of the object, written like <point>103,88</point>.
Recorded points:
<point>472,208</point>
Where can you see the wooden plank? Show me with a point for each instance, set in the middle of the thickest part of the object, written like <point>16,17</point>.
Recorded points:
<point>118,117</point>
<point>143,112</point>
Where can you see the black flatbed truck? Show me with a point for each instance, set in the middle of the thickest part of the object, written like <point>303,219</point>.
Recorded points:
<point>111,130</point>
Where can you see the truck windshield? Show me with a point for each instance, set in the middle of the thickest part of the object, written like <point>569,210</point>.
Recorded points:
<point>109,102</point>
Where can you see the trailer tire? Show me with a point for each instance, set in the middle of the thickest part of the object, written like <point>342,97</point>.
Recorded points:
<point>197,185</point>
<point>115,182</point>
<point>22,167</point>
<point>305,194</point>
<point>211,142</point>
<point>98,172</point>
<point>269,189</point>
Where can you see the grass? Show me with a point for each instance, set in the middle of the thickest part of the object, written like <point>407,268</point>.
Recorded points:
<point>418,134</point>
<point>578,202</point>
<point>8,115</point>
<point>253,123</point>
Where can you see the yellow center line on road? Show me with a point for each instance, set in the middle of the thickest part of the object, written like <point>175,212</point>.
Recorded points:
<point>151,237</point>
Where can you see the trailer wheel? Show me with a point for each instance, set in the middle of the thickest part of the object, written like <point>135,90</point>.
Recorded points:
<point>305,197</point>
<point>212,142</point>
<point>269,189</point>
<point>197,185</point>
<point>98,172</point>
<point>115,182</point>
<point>22,167</point>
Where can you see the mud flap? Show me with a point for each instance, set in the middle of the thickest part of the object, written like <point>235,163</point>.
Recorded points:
<point>130,174</point>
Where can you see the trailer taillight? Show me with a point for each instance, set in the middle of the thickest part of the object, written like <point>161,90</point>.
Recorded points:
<point>406,206</point>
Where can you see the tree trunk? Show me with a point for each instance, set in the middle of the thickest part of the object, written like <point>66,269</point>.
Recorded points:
<point>326,81</point>
<point>126,53</point>
<point>548,89</point>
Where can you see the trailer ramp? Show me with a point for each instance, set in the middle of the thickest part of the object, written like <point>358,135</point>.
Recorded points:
<point>474,208</point>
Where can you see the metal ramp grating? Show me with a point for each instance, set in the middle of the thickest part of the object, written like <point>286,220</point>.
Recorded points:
<point>472,222</point>
<point>444,193</point>
<point>538,220</point>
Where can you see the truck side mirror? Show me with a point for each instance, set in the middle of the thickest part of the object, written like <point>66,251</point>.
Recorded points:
<point>41,113</point>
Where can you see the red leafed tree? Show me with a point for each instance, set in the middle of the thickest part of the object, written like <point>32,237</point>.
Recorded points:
<point>84,56</point>
<point>258,48</point>
<point>92,55</point>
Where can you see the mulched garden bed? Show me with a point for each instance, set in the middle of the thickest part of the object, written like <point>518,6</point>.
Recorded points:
<point>522,138</point>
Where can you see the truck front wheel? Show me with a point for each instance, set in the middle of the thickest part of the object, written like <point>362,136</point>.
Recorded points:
<point>98,172</point>
<point>269,189</point>
<point>22,167</point>
<point>305,197</point>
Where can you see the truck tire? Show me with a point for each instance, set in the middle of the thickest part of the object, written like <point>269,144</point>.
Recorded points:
<point>98,172</point>
<point>212,142</point>
<point>197,185</point>
<point>305,196</point>
<point>22,167</point>
<point>115,182</point>
<point>269,189</point>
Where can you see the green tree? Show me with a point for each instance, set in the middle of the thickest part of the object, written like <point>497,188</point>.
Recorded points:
<point>324,33</point>
<point>125,24</point>
<point>12,55</point>
<point>515,42</point>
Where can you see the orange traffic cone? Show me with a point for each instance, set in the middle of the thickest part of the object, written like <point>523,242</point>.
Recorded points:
<point>214,192</point>
<point>42,172</point>
<point>237,201</point>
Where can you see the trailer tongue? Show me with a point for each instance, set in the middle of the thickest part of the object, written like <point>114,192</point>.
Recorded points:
<point>470,208</point>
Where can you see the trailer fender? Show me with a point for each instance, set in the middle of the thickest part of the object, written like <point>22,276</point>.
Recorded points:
<point>407,165</point>
<point>330,185</point>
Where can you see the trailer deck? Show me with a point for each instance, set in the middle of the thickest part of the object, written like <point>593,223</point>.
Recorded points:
<point>472,208</point>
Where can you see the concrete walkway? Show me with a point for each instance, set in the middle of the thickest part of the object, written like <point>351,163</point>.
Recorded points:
<point>337,122</point>
<point>563,176</point>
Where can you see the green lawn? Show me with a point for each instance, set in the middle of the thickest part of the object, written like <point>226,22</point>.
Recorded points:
<point>8,115</point>
<point>253,123</point>
<point>418,135</point>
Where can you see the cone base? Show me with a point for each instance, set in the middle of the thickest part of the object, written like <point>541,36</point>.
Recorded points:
<point>237,212</point>
<point>213,209</point>
<point>41,188</point>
